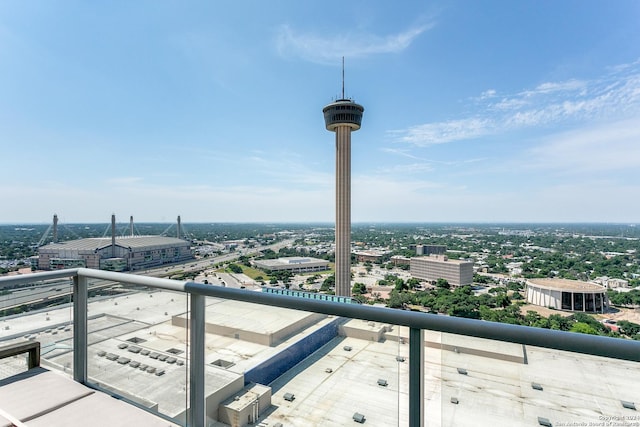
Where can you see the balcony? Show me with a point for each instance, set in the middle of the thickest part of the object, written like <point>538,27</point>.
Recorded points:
<point>185,353</point>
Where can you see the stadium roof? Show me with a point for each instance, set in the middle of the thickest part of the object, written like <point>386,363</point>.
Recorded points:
<point>94,243</point>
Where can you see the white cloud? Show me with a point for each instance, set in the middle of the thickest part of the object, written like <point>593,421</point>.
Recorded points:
<point>407,169</point>
<point>443,132</point>
<point>610,97</point>
<point>125,180</point>
<point>490,93</point>
<point>549,87</point>
<point>610,147</point>
<point>328,49</point>
<point>400,152</point>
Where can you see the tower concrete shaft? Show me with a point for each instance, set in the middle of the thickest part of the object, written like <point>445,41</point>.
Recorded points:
<point>343,211</point>
<point>342,117</point>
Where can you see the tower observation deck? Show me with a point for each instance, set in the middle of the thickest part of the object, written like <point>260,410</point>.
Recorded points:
<point>342,117</point>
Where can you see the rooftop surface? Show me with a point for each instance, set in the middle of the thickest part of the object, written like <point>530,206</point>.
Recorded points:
<point>566,285</point>
<point>492,381</point>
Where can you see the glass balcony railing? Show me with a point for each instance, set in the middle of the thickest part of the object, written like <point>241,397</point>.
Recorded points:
<point>203,355</point>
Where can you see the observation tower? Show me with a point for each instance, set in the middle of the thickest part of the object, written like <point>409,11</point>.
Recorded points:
<point>342,117</point>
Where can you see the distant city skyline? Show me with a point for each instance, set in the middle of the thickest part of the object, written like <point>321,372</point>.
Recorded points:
<point>491,112</point>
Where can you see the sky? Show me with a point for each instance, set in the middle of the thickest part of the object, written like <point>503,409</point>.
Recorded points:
<point>492,111</point>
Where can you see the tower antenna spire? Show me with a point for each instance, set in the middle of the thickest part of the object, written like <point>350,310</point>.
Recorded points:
<point>343,77</point>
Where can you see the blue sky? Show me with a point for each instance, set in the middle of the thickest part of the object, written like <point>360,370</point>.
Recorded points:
<point>492,111</point>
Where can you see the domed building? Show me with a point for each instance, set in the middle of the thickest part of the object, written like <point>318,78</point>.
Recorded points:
<point>565,294</point>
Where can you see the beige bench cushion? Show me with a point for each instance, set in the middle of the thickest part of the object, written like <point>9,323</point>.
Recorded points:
<point>38,391</point>
<point>41,398</point>
<point>99,410</point>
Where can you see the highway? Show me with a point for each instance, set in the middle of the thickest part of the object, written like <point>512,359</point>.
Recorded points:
<point>41,292</point>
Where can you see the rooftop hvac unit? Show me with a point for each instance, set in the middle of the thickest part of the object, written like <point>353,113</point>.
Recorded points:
<point>454,400</point>
<point>399,358</point>
<point>536,386</point>
<point>628,405</point>
<point>382,382</point>
<point>289,397</point>
<point>462,371</point>
<point>347,348</point>
<point>544,422</point>
<point>359,418</point>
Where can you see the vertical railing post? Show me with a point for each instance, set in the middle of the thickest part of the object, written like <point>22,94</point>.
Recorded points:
<point>80,329</point>
<point>197,404</point>
<point>416,377</point>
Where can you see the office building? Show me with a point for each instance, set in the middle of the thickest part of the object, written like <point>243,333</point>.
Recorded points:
<point>293,264</point>
<point>434,267</point>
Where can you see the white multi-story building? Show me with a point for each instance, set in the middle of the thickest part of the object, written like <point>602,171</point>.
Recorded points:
<point>293,264</point>
<point>434,267</point>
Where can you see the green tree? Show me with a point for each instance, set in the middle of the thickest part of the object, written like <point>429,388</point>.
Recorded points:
<point>443,284</point>
<point>583,328</point>
<point>359,289</point>
<point>235,268</point>
<point>328,283</point>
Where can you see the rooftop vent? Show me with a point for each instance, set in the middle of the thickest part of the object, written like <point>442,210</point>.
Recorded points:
<point>462,371</point>
<point>289,397</point>
<point>359,418</point>
<point>382,383</point>
<point>175,351</point>
<point>454,400</point>
<point>136,340</point>
<point>222,363</point>
<point>544,422</point>
<point>628,405</point>
<point>536,386</point>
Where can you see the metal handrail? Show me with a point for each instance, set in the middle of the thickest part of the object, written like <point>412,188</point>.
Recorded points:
<point>614,348</point>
